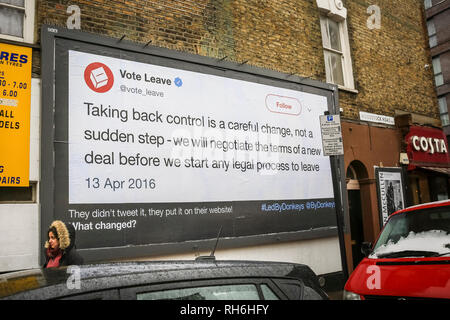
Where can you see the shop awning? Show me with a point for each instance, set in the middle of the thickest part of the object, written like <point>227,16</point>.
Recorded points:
<point>442,170</point>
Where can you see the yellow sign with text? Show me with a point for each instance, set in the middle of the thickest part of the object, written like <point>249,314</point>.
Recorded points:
<point>15,99</point>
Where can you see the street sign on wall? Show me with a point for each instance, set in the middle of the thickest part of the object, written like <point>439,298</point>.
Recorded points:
<point>372,117</point>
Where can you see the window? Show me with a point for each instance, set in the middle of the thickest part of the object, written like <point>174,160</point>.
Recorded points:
<point>432,33</point>
<point>443,110</point>
<point>336,48</point>
<point>438,77</point>
<point>426,230</point>
<point>428,4</point>
<point>268,293</point>
<point>439,186</point>
<point>222,292</point>
<point>17,20</point>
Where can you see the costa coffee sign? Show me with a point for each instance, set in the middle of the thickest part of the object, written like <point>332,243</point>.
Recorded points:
<point>427,146</point>
<point>430,145</point>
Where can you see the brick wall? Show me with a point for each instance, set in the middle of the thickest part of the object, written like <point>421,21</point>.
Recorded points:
<point>282,35</point>
<point>389,63</point>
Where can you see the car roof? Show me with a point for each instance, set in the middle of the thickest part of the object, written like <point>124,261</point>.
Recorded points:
<point>435,204</point>
<point>49,283</point>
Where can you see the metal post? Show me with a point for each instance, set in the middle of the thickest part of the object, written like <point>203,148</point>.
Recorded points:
<point>335,169</point>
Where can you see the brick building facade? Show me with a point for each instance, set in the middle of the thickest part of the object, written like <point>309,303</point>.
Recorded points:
<point>280,36</point>
<point>383,54</point>
<point>437,16</point>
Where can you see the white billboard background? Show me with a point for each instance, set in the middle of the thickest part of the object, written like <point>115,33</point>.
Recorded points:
<point>223,100</point>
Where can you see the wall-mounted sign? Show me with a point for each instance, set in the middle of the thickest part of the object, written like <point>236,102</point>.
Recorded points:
<point>372,117</point>
<point>332,143</point>
<point>15,96</point>
<point>390,190</point>
<point>403,159</point>
<point>427,146</point>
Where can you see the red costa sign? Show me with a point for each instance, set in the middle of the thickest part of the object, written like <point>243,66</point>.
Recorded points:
<point>427,146</point>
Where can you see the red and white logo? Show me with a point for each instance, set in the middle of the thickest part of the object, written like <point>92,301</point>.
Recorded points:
<point>98,77</point>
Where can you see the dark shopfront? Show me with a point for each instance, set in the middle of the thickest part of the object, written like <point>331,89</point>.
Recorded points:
<point>428,165</point>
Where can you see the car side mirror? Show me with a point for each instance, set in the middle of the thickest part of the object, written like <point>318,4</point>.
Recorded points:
<point>366,248</point>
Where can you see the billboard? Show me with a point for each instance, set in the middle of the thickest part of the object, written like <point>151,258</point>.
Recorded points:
<point>155,150</point>
<point>15,96</point>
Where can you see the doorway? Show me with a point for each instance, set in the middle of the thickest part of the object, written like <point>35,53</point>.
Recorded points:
<point>355,213</point>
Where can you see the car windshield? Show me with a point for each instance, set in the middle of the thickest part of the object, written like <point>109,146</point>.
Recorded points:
<point>421,233</point>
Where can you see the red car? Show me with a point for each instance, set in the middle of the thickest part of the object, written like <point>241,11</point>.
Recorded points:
<point>410,259</point>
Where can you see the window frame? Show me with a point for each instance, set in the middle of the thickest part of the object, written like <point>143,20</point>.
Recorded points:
<point>347,68</point>
<point>131,293</point>
<point>427,4</point>
<point>28,22</point>
<point>432,34</point>
<point>441,114</point>
<point>435,73</point>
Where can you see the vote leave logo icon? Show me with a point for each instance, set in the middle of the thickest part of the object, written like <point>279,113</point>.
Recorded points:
<point>98,77</point>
